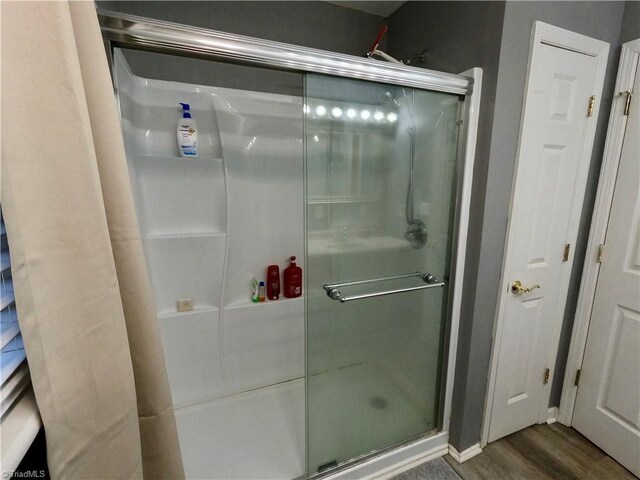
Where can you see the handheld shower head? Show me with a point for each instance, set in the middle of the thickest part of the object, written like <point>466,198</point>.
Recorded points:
<point>386,97</point>
<point>416,233</point>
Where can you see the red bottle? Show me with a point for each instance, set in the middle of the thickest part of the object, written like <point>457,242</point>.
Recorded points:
<point>273,282</point>
<point>292,280</point>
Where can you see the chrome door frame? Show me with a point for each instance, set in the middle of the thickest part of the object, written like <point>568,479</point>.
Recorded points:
<point>166,37</point>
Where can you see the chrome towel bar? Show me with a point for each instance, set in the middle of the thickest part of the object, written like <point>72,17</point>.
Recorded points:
<point>334,293</point>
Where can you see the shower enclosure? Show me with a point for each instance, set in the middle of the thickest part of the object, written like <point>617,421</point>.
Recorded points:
<point>358,168</point>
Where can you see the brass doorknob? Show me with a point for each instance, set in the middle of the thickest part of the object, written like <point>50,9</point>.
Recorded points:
<point>518,289</point>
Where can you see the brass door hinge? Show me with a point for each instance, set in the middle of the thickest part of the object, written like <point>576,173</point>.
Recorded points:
<point>545,380</point>
<point>565,255</point>
<point>592,103</point>
<point>600,253</point>
<point>576,382</point>
<point>627,103</point>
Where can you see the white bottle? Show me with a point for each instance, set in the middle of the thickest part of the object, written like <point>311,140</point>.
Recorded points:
<point>187,133</point>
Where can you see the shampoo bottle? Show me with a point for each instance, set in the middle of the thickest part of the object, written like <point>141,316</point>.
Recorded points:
<point>273,282</point>
<point>187,133</point>
<point>292,280</point>
<point>255,291</point>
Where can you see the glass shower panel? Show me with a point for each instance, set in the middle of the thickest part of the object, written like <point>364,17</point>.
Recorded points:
<point>380,197</point>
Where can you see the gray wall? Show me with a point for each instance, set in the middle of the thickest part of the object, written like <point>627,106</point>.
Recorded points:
<point>630,22</point>
<point>459,36</point>
<point>311,24</point>
<point>601,20</point>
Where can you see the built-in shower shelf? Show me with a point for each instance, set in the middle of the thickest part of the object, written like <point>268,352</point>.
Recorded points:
<point>186,235</point>
<point>266,304</point>
<point>340,200</point>
<point>323,246</point>
<point>178,158</point>
<point>179,315</point>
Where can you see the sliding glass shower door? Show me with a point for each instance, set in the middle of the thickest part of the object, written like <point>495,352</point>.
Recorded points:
<point>380,173</point>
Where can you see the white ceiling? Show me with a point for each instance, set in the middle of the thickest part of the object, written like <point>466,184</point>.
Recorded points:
<point>382,8</point>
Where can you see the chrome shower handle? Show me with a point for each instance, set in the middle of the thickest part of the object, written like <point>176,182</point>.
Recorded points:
<point>334,293</point>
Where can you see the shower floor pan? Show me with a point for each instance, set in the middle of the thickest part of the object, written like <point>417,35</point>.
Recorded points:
<point>354,410</point>
<point>260,434</point>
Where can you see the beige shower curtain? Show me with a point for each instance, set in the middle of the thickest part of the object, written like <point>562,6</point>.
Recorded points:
<point>82,292</point>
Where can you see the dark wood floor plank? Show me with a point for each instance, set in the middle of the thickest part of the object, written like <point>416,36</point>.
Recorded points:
<point>543,457</point>
<point>576,453</point>
<point>542,452</point>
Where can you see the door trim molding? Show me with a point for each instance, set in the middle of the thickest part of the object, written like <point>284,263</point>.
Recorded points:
<point>471,119</point>
<point>629,60</point>
<point>545,34</point>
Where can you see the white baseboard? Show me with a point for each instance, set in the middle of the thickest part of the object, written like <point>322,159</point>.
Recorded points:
<point>552,415</point>
<point>465,455</point>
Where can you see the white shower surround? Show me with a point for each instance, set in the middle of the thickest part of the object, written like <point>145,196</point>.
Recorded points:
<point>217,370</point>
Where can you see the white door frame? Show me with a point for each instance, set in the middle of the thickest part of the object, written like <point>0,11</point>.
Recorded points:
<point>629,58</point>
<point>545,34</point>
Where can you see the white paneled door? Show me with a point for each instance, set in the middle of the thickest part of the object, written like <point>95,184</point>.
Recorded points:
<point>607,407</point>
<point>563,89</point>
